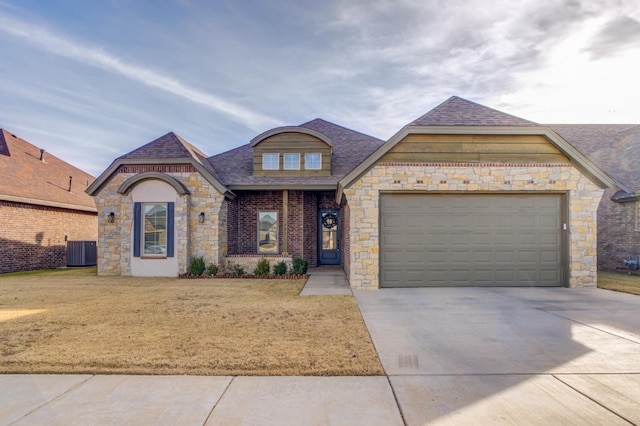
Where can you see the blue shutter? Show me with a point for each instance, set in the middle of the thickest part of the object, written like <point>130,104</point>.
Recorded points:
<point>137,222</point>
<point>170,216</point>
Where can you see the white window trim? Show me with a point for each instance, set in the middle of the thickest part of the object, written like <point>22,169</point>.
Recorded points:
<point>306,165</point>
<point>264,163</point>
<point>284,161</point>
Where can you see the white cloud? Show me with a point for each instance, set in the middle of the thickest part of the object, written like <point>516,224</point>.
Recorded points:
<point>98,58</point>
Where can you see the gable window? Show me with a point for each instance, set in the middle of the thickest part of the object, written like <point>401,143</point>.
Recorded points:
<point>267,232</point>
<point>270,161</point>
<point>153,229</point>
<point>313,161</point>
<point>292,161</point>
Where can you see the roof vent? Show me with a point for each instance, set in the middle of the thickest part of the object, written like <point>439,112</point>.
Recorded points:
<point>42,155</point>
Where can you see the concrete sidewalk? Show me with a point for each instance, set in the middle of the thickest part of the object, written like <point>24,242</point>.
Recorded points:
<point>195,400</point>
<point>326,281</point>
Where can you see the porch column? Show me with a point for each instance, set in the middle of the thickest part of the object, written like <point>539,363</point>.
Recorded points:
<point>285,222</point>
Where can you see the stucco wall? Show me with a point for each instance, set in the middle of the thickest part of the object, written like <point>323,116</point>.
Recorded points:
<point>363,198</point>
<point>192,238</point>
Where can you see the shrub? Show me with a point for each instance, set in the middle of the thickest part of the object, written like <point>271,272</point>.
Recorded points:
<point>212,269</point>
<point>196,265</point>
<point>262,268</point>
<point>236,269</point>
<point>280,268</point>
<point>299,266</point>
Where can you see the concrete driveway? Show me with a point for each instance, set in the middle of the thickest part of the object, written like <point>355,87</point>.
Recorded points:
<point>508,355</point>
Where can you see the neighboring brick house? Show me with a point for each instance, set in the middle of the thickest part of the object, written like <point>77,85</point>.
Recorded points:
<point>463,196</point>
<point>43,205</point>
<point>616,150</point>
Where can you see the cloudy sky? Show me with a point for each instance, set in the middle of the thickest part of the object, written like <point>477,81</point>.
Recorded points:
<point>92,80</point>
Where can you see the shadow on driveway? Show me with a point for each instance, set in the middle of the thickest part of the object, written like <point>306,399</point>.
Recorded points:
<point>508,354</point>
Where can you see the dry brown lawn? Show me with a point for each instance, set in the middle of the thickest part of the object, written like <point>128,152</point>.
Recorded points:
<point>72,321</point>
<point>619,282</point>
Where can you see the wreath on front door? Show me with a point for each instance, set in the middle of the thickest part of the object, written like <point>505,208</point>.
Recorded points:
<point>330,220</point>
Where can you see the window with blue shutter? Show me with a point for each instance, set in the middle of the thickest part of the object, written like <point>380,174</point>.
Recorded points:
<point>153,229</point>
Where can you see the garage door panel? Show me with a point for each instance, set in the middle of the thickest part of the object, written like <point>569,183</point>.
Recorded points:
<point>463,240</point>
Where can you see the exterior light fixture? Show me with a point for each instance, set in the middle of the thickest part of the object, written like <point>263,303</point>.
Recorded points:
<point>111,218</point>
<point>201,218</point>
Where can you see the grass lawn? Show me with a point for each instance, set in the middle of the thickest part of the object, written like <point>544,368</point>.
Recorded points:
<point>619,282</point>
<point>72,321</point>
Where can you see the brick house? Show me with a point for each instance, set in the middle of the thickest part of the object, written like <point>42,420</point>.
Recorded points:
<point>616,150</point>
<point>43,204</point>
<point>462,196</point>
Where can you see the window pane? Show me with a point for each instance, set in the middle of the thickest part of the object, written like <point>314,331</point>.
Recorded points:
<point>155,229</point>
<point>292,161</point>
<point>270,161</point>
<point>313,161</point>
<point>268,232</point>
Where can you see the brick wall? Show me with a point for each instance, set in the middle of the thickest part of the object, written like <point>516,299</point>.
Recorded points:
<point>302,218</point>
<point>33,237</point>
<point>249,204</point>
<point>618,234</point>
<point>310,247</point>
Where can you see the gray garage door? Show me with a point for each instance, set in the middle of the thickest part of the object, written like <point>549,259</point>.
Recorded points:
<point>470,240</point>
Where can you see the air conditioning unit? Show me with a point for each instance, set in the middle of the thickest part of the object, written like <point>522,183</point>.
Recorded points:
<point>82,253</point>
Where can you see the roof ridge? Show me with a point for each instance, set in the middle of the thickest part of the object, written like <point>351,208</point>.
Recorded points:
<point>4,148</point>
<point>336,125</point>
<point>457,111</point>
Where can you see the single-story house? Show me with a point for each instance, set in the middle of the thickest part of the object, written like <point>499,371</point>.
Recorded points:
<point>43,204</point>
<point>462,196</point>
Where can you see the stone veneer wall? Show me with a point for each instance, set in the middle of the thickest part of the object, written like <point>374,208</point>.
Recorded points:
<point>363,199</point>
<point>618,232</point>
<point>192,238</point>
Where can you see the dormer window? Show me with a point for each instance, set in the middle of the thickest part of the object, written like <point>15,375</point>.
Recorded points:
<point>313,161</point>
<point>292,161</point>
<point>271,162</point>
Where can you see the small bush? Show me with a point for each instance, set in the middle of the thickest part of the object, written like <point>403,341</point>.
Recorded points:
<point>280,268</point>
<point>212,269</point>
<point>299,266</point>
<point>236,269</point>
<point>263,268</point>
<point>196,265</point>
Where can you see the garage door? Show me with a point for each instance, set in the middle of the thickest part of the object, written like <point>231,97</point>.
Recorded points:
<point>470,240</point>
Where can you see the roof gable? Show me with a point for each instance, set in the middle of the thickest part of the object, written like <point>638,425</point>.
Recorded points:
<point>440,121</point>
<point>167,149</point>
<point>235,167</point>
<point>167,146</point>
<point>49,182</point>
<point>457,111</point>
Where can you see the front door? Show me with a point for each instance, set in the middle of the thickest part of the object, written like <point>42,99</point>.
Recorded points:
<point>329,236</point>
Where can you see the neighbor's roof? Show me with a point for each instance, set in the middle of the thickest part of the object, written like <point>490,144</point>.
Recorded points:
<point>350,148</point>
<point>615,148</point>
<point>456,111</point>
<point>27,179</point>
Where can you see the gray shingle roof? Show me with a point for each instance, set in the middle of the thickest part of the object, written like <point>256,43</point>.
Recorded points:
<point>167,146</point>
<point>456,111</point>
<point>615,148</point>
<point>350,148</point>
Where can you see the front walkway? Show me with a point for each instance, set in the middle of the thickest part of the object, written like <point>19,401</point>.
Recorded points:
<point>326,281</point>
